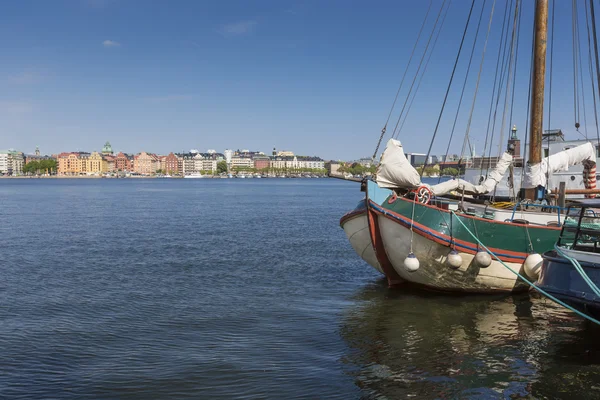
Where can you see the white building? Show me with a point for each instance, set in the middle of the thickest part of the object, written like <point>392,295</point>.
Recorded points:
<point>228,155</point>
<point>297,162</point>
<point>11,162</point>
<point>209,165</point>
<point>310,162</point>
<point>242,162</point>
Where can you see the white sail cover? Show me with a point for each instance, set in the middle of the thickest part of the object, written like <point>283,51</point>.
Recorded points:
<point>536,174</point>
<point>395,170</point>
<point>486,187</point>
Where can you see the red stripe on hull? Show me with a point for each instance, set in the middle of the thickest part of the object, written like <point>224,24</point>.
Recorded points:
<point>392,276</point>
<point>427,233</point>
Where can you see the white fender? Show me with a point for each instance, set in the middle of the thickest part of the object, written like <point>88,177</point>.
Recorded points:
<point>411,262</point>
<point>483,259</point>
<point>454,259</point>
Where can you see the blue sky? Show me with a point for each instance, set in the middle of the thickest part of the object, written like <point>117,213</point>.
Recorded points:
<point>314,77</point>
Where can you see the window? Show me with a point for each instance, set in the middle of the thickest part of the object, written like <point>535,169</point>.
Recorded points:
<point>546,151</point>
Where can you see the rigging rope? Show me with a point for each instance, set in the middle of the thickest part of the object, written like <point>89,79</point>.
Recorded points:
<point>410,104</point>
<point>551,63</point>
<point>394,133</point>
<point>402,81</point>
<point>512,101</point>
<point>523,278</point>
<point>575,61</point>
<point>462,41</point>
<point>590,65</point>
<point>503,35</point>
<point>468,129</point>
<point>510,77</point>
<point>464,83</point>
<point>525,155</point>
<point>593,18</point>
<point>506,68</point>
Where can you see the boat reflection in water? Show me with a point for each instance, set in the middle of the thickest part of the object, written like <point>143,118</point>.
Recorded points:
<point>405,344</point>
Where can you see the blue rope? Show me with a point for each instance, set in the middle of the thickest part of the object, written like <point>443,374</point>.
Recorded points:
<point>579,269</point>
<point>542,291</point>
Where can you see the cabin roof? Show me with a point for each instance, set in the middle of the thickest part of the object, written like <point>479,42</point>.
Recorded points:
<point>595,203</point>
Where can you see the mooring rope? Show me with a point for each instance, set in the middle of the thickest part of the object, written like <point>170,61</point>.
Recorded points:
<point>527,281</point>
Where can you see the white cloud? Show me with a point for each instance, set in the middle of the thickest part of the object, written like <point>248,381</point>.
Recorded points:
<point>238,28</point>
<point>110,43</point>
<point>168,98</point>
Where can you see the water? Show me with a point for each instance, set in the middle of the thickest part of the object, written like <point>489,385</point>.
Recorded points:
<point>137,289</point>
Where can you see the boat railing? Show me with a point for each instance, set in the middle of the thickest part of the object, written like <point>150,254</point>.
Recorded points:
<point>581,228</point>
<point>520,204</point>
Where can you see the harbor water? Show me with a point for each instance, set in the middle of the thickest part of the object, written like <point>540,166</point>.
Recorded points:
<point>248,289</point>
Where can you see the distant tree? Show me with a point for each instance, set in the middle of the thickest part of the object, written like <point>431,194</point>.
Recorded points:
<point>31,167</point>
<point>221,166</point>
<point>431,170</point>
<point>450,171</point>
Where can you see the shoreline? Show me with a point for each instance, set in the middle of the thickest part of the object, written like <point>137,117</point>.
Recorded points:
<point>140,177</point>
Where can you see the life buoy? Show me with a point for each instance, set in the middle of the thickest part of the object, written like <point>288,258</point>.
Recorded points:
<point>423,195</point>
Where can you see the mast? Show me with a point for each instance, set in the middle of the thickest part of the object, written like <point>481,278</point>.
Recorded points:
<point>539,76</point>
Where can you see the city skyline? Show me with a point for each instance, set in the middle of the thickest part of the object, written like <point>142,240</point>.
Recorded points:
<point>74,71</point>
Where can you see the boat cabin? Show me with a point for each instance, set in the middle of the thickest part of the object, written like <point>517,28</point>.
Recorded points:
<point>581,228</point>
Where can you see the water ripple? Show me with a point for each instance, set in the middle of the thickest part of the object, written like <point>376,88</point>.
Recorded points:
<point>137,289</point>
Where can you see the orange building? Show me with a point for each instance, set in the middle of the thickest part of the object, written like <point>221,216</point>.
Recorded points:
<point>146,163</point>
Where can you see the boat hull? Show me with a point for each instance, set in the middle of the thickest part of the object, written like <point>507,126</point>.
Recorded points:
<point>434,270</point>
<point>432,232</point>
<point>560,278</point>
<point>356,226</point>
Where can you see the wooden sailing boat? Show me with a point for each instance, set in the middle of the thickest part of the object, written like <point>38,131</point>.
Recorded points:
<point>405,230</point>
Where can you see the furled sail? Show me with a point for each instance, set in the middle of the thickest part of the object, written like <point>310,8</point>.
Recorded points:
<point>395,170</point>
<point>493,178</point>
<point>536,174</point>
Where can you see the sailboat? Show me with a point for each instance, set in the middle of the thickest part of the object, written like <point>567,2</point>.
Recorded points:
<point>430,235</point>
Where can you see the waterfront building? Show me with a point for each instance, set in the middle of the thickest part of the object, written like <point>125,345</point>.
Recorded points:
<point>107,149</point>
<point>280,162</point>
<point>228,156</point>
<point>11,162</point>
<point>69,163</point>
<point>332,167</point>
<point>94,164</point>
<point>285,153</point>
<point>297,163</point>
<point>209,165</point>
<point>189,162</point>
<point>172,164</point>
<point>146,163</point>
<point>365,162</point>
<point>261,162</point>
<point>110,163</point>
<point>198,162</point>
<point>37,156</point>
<point>306,162</point>
<point>123,162</point>
<point>241,162</point>
<point>179,163</point>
